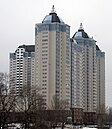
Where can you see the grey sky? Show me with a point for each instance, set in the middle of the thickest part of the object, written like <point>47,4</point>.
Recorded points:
<point>18,18</point>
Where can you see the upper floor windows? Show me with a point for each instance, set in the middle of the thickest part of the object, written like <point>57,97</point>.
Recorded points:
<point>44,40</point>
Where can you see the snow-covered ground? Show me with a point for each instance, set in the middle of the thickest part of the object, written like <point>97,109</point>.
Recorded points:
<point>75,127</point>
<point>88,128</point>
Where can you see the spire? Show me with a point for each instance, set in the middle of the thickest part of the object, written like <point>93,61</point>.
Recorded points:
<point>81,27</point>
<point>53,9</point>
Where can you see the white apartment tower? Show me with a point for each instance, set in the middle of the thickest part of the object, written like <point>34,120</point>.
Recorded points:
<point>71,70</point>
<point>100,77</point>
<point>22,68</point>
<point>77,75</point>
<point>53,60</point>
<point>90,69</point>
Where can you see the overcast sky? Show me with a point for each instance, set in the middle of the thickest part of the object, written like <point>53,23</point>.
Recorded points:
<point>18,19</point>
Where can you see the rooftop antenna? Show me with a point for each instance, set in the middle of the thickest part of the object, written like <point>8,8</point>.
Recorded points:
<point>81,27</point>
<point>53,9</point>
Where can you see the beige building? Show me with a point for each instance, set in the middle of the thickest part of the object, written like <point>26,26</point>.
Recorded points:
<point>52,50</point>
<point>77,75</point>
<point>73,71</point>
<point>100,77</point>
<point>90,69</point>
<point>22,69</point>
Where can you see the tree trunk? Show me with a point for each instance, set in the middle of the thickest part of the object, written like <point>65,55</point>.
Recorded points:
<point>62,125</point>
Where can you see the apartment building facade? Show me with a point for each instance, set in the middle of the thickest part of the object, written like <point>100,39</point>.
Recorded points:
<point>77,75</point>
<point>100,77</point>
<point>71,70</point>
<point>52,50</point>
<point>90,69</point>
<point>22,68</point>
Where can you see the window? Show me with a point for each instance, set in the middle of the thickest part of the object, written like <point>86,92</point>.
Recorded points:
<point>44,80</point>
<point>44,40</point>
<point>44,50</point>
<point>44,36</point>
<point>44,69</point>
<point>45,32</point>
<point>44,65</point>
<point>44,76</point>
<point>44,62</point>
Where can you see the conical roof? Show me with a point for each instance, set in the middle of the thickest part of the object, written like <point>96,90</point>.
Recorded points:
<point>52,17</point>
<point>81,32</point>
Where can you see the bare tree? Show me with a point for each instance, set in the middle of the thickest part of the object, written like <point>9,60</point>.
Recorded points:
<point>7,100</point>
<point>60,113</point>
<point>29,103</point>
<point>101,116</point>
<point>109,117</point>
<point>58,104</point>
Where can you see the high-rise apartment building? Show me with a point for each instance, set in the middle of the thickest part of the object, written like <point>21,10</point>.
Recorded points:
<point>22,68</point>
<point>90,69</point>
<point>53,60</point>
<point>100,77</point>
<point>77,75</point>
<point>71,70</point>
